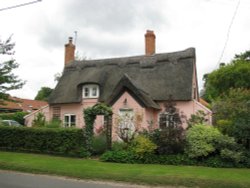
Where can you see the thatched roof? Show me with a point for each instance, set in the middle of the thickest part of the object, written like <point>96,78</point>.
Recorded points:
<point>152,78</point>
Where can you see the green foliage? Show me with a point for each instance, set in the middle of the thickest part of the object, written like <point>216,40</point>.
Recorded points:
<point>90,114</point>
<point>99,144</point>
<point>39,120</point>
<point>119,146</point>
<point>170,140</point>
<point>233,75</point>
<point>142,146</point>
<point>200,139</point>
<point>55,123</point>
<point>68,142</point>
<point>232,115</point>
<point>43,94</point>
<point>232,156</point>
<point>119,157</point>
<point>198,118</point>
<point>206,141</point>
<point>17,116</point>
<point>8,81</point>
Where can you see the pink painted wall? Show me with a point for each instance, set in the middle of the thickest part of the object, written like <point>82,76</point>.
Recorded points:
<point>148,118</point>
<point>187,108</point>
<point>131,104</point>
<point>75,109</point>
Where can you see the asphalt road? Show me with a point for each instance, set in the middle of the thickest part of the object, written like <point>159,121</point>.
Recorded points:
<point>9,179</point>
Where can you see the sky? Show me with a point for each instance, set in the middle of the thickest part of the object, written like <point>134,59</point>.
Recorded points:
<point>116,28</point>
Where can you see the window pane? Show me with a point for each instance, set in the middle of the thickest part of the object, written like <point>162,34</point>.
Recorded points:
<point>72,120</point>
<point>66,121</point>
<point>94,91</point>
<point>86,92</point>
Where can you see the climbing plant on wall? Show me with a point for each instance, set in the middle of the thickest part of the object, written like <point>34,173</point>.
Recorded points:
<point>90,114</point>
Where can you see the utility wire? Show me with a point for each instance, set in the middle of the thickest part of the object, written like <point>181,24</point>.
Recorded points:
<point>20,5</point>
<point>228,32</point>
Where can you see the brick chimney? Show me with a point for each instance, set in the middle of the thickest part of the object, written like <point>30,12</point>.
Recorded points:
<point>149,43</point>
<point>69,52</point>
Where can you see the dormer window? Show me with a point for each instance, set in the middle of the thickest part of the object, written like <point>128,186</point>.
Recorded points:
<point>90,91</point>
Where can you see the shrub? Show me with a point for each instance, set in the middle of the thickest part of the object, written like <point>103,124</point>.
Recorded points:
<point>68,142</point>
<point>200,139</point>
<point>18,116</point>
<point>142,145</point>
<point>119,157</point>
<point>55,123</point>
<point>119,146</point>
<point>99,144</point>
<point>198,118</point>
<point>39,120</point>
<point>169,141</point>
<point>204,142</point>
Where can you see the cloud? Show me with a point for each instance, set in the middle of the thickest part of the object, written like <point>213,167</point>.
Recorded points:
<point>113,16</point>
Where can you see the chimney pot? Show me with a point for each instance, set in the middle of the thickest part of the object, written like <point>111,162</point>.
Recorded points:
<point>69,51</point>
<point>70,40</point>
<point>149,42</point>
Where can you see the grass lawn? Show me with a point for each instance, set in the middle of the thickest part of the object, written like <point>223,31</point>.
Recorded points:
<point>189,176</point>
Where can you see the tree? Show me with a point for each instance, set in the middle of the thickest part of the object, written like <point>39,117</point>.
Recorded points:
<point>43,94</point>
<point>8,81</point>
<point>232,115</point>
<point>233,75</point>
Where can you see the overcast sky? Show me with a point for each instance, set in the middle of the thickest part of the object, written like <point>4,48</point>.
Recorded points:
<point>116,28</point>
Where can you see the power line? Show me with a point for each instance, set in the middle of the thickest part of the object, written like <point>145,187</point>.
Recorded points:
<point>20,5</point>
<point>228,32</point>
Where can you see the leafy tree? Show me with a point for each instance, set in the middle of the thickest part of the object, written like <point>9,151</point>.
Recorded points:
<point>43,94</point>
<point>8,81</point>
<point>233,75</point>
<point>232,115</point>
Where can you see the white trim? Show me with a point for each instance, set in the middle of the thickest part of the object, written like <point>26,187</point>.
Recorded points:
<point>90,91</point>
<point>70,123</point>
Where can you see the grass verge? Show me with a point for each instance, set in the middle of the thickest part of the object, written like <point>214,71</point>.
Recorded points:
<point>189,176</point>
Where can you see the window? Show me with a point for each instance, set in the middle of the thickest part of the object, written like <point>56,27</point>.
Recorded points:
<point>69,120</point>
<point>90,91</point>
<point>168,120</point>
<point>56,110</point>
<point>86,91</point>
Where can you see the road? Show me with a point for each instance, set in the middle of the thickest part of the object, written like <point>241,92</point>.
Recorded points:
<point>10,179</point>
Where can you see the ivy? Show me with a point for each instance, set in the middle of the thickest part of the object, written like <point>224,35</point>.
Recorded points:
<point>90,114</point>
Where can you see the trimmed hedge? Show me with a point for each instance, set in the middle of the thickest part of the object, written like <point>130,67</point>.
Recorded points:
<point>61,141</point>
<point>125,156</point>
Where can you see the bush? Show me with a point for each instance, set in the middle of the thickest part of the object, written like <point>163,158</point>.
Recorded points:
<point>39,120</point>
<point>99,144</point>
<point>67,142</point>
<point>119,146</point>
<point>56,123</point>
<point>200,141</point>
<point>18,116</point>
<point>169,140</point>
<point>211,147</point>
<point>142,145</point>
<point>119,157</point>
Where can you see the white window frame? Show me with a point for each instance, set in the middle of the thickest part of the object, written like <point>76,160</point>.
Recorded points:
<point>93,91</point>
<point>70,123</point>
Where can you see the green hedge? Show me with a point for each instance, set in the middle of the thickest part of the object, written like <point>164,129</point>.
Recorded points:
<point>123,156</point>
<point>67,142</point>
